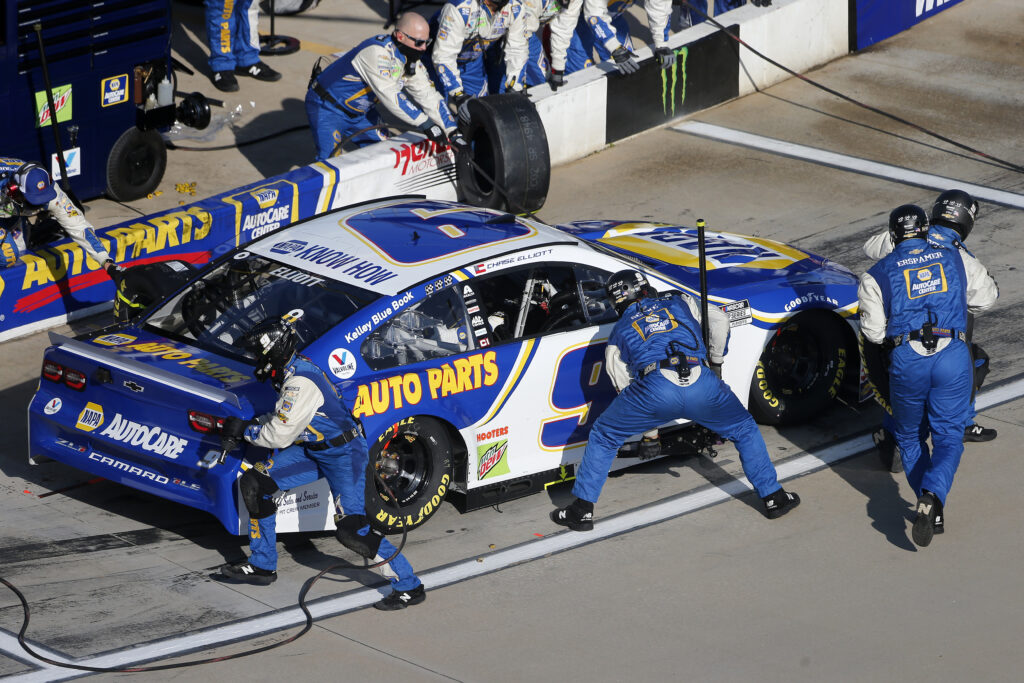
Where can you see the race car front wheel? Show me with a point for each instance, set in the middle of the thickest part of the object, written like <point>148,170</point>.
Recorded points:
<point>136,164</point>
<point>801,369</point>
<point>409,473</point>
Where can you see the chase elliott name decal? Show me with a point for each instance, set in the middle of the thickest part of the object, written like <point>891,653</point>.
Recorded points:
<point>151,439</point>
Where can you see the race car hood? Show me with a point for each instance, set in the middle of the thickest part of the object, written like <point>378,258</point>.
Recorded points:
<point>775,278</point>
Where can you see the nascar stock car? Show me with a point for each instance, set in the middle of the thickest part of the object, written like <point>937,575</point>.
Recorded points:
<point>468,341</point>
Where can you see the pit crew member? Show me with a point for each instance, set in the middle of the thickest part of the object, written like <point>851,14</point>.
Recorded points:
<point>465,30</point>
<point>561,16</point>
<point>917,298</point>
<point>947,226</point>
<point>26,189</point>
<point>607,23</point>
<point>342,99</point>
<point>235,43</point>
<point>657,360</point>
<point>313,434</point>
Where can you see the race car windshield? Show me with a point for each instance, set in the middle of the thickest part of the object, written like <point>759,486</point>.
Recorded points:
<point>217,311</point>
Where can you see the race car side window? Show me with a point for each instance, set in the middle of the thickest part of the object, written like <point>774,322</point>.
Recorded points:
<point>434,327</point>
<point>525,302</point>
<point>596,305</point>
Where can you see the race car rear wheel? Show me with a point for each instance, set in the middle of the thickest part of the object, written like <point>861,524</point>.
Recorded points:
<point>508,166</point>
<point>136,164</point>
<point>801,369</point>
<point>409,473</point>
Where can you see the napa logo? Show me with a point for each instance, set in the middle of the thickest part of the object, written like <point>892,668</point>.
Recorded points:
<point>924,275</point>
<point>265,197</point>
<point>90,418</point>
<point>114,339</point>
<point>928,5</point>
<point>289,247</point>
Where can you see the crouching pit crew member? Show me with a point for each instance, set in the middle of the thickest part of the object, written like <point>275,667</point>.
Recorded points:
<point>26,187</point>
<point>657,361</point>
<point>314,435</point>
<point>917,299</point>
<point>342,100</point>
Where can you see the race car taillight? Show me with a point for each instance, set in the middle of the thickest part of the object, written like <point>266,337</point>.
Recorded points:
<point>74,379</point>
<point>205,423</point>
<point>53,371</point>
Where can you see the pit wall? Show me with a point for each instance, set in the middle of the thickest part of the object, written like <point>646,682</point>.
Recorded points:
<point>595,109</point>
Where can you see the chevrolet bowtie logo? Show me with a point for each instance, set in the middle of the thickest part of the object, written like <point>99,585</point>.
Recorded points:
<point>132,386</point>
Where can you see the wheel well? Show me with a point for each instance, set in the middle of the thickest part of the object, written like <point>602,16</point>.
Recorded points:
<point>460,455</point>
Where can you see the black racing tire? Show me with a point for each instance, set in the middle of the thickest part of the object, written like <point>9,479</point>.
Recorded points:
<point>136,164</point>
<point>509,146</point>
<point>419,475</point>
<point>801,369</point>
<point>286,7</point>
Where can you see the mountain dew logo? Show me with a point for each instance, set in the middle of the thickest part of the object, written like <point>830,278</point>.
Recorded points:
<point>491,460</point>
<point>669,77</point>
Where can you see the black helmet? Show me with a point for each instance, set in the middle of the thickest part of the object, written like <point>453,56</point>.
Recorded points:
<point>625,287</point>
<point>908,222</point>
<point>273,342</point>
<point>957,210</point>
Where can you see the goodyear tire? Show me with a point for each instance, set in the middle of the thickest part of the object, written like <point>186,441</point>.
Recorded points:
<point>801,369</point>
<point>414,459</point>
<point>508,150</point>
<point>136,164</point>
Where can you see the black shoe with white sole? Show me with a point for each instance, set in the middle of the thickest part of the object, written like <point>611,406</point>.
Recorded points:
<point>779,503</point>
<point>225,81</point>
<point>578,515</point>
<point>978,433</point>
<point>929,509</point>
<point>402,599</point>
<point>246,573</point>
<point>259,71</point>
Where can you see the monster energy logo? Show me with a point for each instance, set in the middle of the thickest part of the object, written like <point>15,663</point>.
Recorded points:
<point>668,92</point>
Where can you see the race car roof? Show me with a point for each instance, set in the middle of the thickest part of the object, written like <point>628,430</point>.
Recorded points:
<point>391,245</point>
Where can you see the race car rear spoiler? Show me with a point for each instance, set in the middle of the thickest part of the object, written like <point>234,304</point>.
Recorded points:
<point>135,367</point>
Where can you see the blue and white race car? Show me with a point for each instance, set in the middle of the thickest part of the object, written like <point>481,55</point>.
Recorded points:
<point>469,342</point>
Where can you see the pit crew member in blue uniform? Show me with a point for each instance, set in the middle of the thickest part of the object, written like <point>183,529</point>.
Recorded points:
<point>610,34</point>
<point>314,435</point>
<point>657,361</point>
<point>561,17</point>
<point>949,228</point>
<point>342,99</point>
<point>918,298</point>
<point>465,29</point>
<point>235,43</point>
<point>25,188</point>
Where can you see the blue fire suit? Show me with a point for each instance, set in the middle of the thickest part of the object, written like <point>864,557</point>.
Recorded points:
<point>650,332</point>
<point>925,282</point>
<point>603,27</point>
<point>343,99</point>
<point>308,415</point>
<point>691,18</point>
<point>231,33</point>
<point>881,245</point>
<point>464,31</point>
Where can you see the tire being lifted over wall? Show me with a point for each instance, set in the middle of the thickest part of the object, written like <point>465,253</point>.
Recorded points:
<point>508,144</point>
<point>414,459</point>
<point>801,369</point>
<point>136,164</point>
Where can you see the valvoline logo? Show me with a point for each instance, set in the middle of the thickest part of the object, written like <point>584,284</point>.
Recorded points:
<point>289,247</point>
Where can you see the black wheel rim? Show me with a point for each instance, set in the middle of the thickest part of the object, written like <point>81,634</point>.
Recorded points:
<point>140,161</point>
<point>413,471</point>
<point>792,362</point>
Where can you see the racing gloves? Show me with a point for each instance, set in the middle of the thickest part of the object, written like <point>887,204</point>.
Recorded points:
<point>557,79</point>
<point>232,433</point>
<point>435,134</point>
<point>625,62</point>
<point>458,142</point>
<point>666,57</point>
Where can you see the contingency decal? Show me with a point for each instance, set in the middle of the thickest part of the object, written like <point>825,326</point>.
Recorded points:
<point>114,90</point>
<point>61,104</point>
<point>491,459</point>
<point>342,363</point>
<point>90,418</point>
<point>53,406</point>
